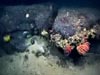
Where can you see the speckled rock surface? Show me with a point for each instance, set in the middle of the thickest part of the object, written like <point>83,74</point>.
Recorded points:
<point>20,21</point>
<point>69,19</point>
<point>25,17</point>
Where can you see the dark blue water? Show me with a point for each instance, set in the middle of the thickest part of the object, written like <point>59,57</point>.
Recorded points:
<point>71,3</point>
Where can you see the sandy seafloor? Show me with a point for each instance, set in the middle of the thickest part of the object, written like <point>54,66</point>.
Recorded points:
<point>26,63</point>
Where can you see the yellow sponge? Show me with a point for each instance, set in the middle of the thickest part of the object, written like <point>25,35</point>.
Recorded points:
<point>7,38</point>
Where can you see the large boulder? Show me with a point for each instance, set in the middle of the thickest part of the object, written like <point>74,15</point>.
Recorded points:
<point>25,17</point>
<point>18,21</point>
<point>69,19</point>
<point>72,20</point>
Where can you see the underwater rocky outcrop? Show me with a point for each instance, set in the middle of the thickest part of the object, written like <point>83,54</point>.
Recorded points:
<point>23,22</point>
<point>25,17</point>
<point>70,22</point>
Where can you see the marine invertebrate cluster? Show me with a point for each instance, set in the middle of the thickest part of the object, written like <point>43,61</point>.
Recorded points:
<point>64,27</point>
<point>79,39</point>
